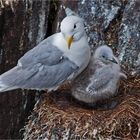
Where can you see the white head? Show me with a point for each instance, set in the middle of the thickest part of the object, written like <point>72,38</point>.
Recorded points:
<point>105,54</point>
<point>72,28</point>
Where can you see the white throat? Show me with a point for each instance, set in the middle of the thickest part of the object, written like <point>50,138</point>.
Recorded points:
<point>79,52</point>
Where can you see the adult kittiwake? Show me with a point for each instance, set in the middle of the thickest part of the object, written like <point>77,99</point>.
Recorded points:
<point>56,59</point>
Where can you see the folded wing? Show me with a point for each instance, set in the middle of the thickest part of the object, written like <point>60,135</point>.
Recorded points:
<point>100,79</point>
<point>43,67</point>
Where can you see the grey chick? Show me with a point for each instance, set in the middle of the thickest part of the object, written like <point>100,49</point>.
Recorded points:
<point>102,78</point>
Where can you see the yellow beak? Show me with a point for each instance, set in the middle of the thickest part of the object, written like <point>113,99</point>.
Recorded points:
<point>69,41</point>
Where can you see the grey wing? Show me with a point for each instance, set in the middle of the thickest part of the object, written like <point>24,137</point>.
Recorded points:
<point>47,75</point>
<point>100,79</point>
<point>44,53</point>
<point>51,76</point>
<point>40,68</point>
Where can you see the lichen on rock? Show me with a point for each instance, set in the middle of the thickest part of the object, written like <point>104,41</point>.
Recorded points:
<point>129,36</point>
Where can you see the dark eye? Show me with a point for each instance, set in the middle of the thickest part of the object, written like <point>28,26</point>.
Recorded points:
<point>103,56</point>
<point>74,26</point>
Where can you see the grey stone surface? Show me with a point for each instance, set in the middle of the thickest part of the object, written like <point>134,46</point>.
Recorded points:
<point>129,36</point>
<point>98,15</point>
<point>22,25</point>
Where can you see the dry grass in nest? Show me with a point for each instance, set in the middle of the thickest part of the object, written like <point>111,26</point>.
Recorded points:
<point>58,117</point>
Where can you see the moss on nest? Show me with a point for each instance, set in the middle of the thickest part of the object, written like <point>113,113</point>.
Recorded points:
<point>58,116</point>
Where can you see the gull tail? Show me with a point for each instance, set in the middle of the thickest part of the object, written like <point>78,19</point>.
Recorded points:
<point>4,87</point>
<point>7,80</point>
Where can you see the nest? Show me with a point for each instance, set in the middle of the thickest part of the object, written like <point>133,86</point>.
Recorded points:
<point>58,116</point>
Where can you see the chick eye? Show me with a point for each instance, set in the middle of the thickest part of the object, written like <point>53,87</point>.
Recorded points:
<point>74,26</point>
<point>103,56</point>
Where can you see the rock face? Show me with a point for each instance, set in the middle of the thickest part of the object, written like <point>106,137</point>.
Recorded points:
<point>98,16</point>
<point>129,36</point>
<point>23,24</point>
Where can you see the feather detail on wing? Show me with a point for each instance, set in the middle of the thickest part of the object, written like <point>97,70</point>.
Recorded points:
<point>44,53</point>
<point>43,67</point>
<point>100,79</point>
<point>38,76</point>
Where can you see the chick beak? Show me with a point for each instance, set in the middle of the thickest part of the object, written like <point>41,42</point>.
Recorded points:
<point>114,60</point>
<point>69,41</point>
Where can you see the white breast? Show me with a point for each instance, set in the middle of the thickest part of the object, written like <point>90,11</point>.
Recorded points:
<point>79,53</point>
